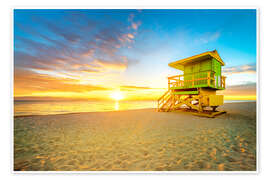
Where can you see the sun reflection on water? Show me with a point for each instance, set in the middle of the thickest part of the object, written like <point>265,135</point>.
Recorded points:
<point>116,106</point>
<point>62,107</point>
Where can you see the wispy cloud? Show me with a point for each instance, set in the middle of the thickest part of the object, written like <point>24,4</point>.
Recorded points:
<point>120,65</point>
<point>101,47</point>
<point>248,89</point>
<point>135,88</point>
<point>208,37</point>
<point>27,82</point>
<point>71,47</point>
<point>242,69</point>
<point>134,24</point>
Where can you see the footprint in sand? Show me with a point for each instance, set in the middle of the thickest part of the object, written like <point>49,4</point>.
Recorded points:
<point>221,167</point>
<point>213,154</point>
<point>179,162</point>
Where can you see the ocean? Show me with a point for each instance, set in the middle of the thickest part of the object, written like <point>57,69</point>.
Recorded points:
<point>27,107</point>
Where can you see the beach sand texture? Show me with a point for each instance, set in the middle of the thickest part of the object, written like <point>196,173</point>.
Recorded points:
<point>137,140</point>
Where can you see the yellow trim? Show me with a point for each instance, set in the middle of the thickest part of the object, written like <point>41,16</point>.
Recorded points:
<point>180,63</point>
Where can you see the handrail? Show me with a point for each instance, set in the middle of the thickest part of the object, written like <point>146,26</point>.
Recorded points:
<point>167,100</point>
<point>209,76</point>
<point>223,82</point>
<point>171,77</point>
<point>164,99</point>
<point>164,95</point>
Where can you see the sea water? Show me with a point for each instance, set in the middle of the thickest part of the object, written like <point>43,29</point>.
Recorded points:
<point>29,107</point>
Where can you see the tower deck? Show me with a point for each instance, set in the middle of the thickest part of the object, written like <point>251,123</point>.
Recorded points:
<point>187,82</point>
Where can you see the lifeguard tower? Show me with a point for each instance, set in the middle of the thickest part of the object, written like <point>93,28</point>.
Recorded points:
<point>195,90</point>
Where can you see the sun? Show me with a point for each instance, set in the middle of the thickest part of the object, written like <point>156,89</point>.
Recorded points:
<point>117,95</point>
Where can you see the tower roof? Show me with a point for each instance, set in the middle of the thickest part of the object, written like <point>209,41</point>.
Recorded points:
<point>206,55</point>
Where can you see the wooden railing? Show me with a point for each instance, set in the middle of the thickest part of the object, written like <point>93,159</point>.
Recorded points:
<point>223,81</point>
<point>164,99</point>
<point>196,79</point>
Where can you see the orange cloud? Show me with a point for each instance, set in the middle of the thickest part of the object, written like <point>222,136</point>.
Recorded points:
<point>28,82</point>
<point>134,88</point>
<point>74,53</point>
<point>88,53</point>
<point>243,69</point>
<point>135,25</point>
<point>126,38</point>
<point>131,36</point>
<point>238,91</point>
<point>106,65</point>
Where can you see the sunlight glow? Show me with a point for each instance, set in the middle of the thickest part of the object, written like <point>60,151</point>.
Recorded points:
<point>116,106</point>
<point>117,95</point>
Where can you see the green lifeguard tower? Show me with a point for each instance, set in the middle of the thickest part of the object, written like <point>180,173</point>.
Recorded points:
<point>195,90</point>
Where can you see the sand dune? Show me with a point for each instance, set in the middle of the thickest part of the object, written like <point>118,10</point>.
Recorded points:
<point>137,140</point>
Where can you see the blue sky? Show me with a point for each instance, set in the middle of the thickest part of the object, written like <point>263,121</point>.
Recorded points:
<point>104,49</point>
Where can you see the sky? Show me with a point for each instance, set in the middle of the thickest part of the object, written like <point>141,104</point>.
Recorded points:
<point>89,54</point>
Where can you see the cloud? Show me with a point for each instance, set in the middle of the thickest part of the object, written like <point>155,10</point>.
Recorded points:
<point>131,36</point>
<point>107,65</point>
<point>126,38</point>
<point>72,47</point>
<point>27,82</point>
<point>240,90</point>
<point>208,37</point>
<point>135,25</point>
<point>243,69</point>
<point>68,35</point>
<point>135,88</point>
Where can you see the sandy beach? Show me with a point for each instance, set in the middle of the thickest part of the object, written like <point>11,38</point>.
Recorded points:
<point>137,140</point>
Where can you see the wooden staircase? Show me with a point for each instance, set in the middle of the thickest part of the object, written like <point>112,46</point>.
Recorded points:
<point>166,102</point>
<point>171,101</point>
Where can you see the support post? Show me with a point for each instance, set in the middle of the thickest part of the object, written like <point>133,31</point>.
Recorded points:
<point>208,78</point>
<point>200,104</point>
<point>192,80</point>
